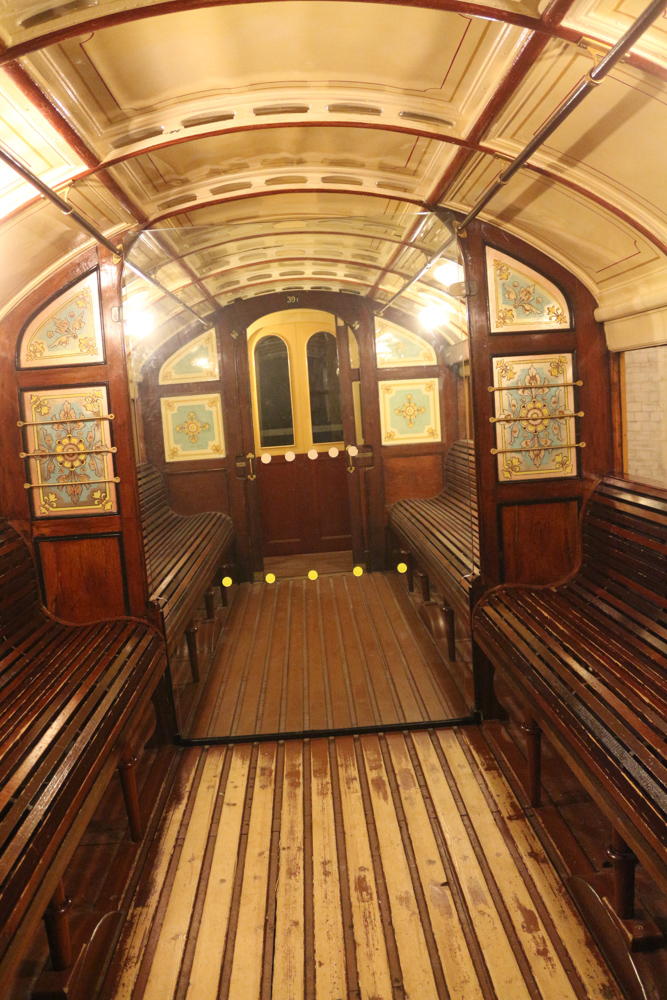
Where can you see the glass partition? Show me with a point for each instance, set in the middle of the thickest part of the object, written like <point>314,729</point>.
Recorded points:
<point>324,388</point>
<point>274,394</point>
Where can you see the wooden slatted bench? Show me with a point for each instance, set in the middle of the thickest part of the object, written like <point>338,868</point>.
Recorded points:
<point>71,697</point>
<point>184,554</point>
<point>440,537</point>
<point>588,660</point>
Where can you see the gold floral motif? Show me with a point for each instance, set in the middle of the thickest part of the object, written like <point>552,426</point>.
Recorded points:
<point>68,452</point>
<point>216,449</point>
<point>102,500</point>
<point>556,314</point>
<point>431,431</point>
<point>192,427</point>
<point>48,504</point>
<point>170,406</point>
<point>92,401</point>
<point>40,405</point>
<point>390,435</point>
<point>501,269</point>
<point>35,351</point>
<point>558,366</point>
<point>87,345</point>
<point>410,410</point>
<point>389,389</point>
<point>505,317</point>
<point>173,453</point>
<point>512,467</point>
<point>505,369</point>
<point>563,463</point>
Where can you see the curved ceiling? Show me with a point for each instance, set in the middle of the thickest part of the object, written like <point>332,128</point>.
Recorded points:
<point>263,146</point>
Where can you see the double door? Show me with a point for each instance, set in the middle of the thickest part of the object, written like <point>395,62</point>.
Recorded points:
<point>300,474</point>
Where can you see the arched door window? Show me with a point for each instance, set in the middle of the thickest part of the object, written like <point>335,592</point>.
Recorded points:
<point>273,392</point>
<point>326,416</point>
<point>295,383</point>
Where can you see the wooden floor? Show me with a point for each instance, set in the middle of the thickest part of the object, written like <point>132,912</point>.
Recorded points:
<point>284,567</point>
<point>380,867</point>
<point>334,653</point>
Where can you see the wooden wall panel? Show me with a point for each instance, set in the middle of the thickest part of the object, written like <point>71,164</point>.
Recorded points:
<point>407,477</point>
<point>195,490</point>
<point>540,542</point>
<point>82,578</point>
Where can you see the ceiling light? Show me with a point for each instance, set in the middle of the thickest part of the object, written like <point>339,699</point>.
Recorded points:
<point>448,273</point>
<point>138,325</point>
<point>434,316</point>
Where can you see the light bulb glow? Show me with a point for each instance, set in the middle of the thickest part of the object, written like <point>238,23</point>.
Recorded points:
<point>434,316</point>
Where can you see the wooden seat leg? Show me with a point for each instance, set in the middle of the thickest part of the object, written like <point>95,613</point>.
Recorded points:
<point>406,557</point>
<point>128,781</point>
<point>623,862</point>
<point>534,760</point>
<point>424,586</point>
<point>210,605</point>
<point>56,922</point>
<point>166,723</point>
<point>191,639</point>
<point>450,632</point>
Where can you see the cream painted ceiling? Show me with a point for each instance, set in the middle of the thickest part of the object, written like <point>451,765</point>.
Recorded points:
<point>244,148</point>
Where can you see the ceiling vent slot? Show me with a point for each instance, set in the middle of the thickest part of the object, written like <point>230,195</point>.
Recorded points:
<point>213,119</point>
<point>287,179</point>
<point>282,109</point>
<point>417,116</point>
<point>293,288</point>
<point>180,199</point>
<point>229,284</point>
<point>391,186</point>
<point>353,109</point>
<point>324,274</point>
<point>350,291</point>
<point>129,140</point>
<point>291,274</point>
<point>321,288</point>
<point>340,179</point>
<point>232,186</point>
<point>261,277</point>
<point>254,255</point>
<point>53,13</point>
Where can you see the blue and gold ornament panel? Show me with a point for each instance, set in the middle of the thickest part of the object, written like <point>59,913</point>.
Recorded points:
<point>409,411</point>
<point>534,417</point>
<point>196,361</point>
<point>66,332</point>
<point>192,427</point>
<point>522,299</point>
<point>69,451</point>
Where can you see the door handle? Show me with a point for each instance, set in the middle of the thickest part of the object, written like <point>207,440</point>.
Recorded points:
<point>350,453</point>
<point>251,459</point>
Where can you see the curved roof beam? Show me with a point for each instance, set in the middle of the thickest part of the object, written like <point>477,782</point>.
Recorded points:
<point>547,25</point>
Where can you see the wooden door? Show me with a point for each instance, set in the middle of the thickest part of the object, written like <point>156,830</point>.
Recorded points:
<point>301,461</point>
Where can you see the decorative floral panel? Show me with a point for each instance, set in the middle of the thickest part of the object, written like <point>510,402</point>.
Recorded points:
<point>68,331</point>
<point>522,299</point>
<point>192,427</point>
<point>399,348</point>
<point>534,417</point>
<point>68,445</point>
<point>409,411</point>
<point>196,361</point>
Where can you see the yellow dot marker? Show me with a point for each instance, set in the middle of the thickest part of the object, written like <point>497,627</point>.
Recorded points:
<point>358,571</point>
<point>226,581</point>
<point>270,577</point>
<point>312,574</point>
<point>402,568</point>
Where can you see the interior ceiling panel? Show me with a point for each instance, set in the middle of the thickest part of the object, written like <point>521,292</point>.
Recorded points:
<point>260,139</point>
<point>629,111</point>
<point>596,244</point>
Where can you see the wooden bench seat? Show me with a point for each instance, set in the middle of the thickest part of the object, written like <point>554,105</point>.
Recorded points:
<point>440,537</point>
<point>70,699</point>
<point>588,659</point>
<point>183,556</point>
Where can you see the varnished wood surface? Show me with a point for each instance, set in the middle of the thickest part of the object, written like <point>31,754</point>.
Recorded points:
<point>388,866</point>
<point>338,652</point>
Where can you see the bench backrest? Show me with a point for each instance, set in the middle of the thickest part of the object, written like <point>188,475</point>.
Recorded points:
<point>460,478</point>
<point>624,552</point>
<point>152,490</point>
<point>20,601</point>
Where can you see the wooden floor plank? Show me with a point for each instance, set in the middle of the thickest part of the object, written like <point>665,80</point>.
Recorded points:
<point>330,973</point>
<point>417,972</point>
<point>142,913</point>
<point>370,946</point>
<point>458,967</point>
<point>337,652</point>
<point>288,962</point>
<point>168,955</point>
<point>212,934</point>
<point>587,960</point>
<point>249,944</point>
<point>544,961</point>
<point>496,948</point>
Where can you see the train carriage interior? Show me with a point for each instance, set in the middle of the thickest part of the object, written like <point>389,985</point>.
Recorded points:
<point>333,507</point>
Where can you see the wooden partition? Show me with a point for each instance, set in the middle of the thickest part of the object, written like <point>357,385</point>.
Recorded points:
<point>89,558</point>
<point>379,473</point>
<point>529,529</point>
